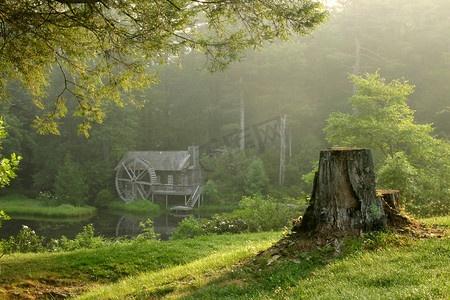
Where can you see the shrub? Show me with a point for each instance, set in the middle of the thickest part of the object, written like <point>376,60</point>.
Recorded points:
<point>83,240</point>
<point>265,213</point>
<point>136,207</point>
<point>148,232</point>
<point>104,197</point>
<point>256,179</point>
<point>188,228</point>
<point>226,223</point>
<point>48,199</point>
<point>211,193</point>
<point>26,241</point>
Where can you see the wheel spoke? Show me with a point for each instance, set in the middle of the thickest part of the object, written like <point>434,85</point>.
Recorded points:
<point>144,183</point>
<point>125,179</point>
<point>140,174</point>
<point>133,169</point>
<point>126,170</point>
<point>140,192</point>
<point>135,180</point>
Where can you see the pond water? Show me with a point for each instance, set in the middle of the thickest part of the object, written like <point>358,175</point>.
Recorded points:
<point>105,223</point>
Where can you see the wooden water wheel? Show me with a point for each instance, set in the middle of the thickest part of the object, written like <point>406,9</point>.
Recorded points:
<point>134,180</point>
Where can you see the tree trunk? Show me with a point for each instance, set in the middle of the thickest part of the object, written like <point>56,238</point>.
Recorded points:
<point>344,195</point>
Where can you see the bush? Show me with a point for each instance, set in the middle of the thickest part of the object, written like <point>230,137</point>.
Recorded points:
<point>211,193</point>
<point>26,241</point>
<point>256,179</point>
<point>136,207</point>
<point>226,223</point>
<point>104,197</point>
<point>265,213</point>
<point>255,214</point>
<point>188,228</point>
<point>148,232</point>
<point>83,240</point>
<point>48,199</point>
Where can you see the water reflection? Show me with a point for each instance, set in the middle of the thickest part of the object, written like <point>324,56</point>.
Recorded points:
<point>105,223</point>
<point>164,225</point>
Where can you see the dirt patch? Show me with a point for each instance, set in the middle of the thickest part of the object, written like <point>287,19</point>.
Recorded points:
<point>42,289</point>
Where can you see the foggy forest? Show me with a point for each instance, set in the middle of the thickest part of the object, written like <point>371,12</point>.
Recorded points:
<point>362,75</point>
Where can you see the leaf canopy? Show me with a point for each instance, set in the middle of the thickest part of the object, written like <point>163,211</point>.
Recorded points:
<point>104,48</point>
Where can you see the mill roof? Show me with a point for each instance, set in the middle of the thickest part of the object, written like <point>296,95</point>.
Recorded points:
<point>160,160</point>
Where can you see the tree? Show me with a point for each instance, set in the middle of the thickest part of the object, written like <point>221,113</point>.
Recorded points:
<point>3,217</point>
<point>70,186</point>
<point>228,171</point>
<point>104,48</point>
<point>256,179</point>
<point>7,166</point>
<point>410,158</point>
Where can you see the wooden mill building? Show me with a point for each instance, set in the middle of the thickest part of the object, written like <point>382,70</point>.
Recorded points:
<point>156,174</point>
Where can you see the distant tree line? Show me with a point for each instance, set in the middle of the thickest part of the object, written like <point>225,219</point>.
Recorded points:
<point>306,79</point>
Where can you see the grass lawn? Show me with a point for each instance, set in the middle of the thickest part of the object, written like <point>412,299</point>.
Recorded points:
<point>413,269</point>
<point>226,267</point>
<point>71,272</point>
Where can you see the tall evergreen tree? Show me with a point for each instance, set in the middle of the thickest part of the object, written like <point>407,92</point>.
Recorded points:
<point>70,186</point>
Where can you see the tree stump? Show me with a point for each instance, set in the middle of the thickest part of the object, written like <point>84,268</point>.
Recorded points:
<point>390,197</point>
<point>344,195</point>
<point>394,216</point>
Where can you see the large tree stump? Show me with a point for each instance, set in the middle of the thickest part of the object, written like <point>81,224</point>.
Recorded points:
<point>344,195</point>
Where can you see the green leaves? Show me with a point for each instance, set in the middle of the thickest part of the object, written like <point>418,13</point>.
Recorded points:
<point>410,158</point>
<point>381,119</point>
<point>106,50</point>
<point>70,185</point>
<point>7,166</point>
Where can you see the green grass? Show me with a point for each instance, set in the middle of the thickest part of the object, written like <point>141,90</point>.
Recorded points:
<point>440,221</point>
<point>109,264</point>
<point>20,205</point>
<point>210,267</point>
<point>415,269</point>
<point>140,207</point>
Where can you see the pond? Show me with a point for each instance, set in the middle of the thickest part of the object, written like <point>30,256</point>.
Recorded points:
<point>105,223</point>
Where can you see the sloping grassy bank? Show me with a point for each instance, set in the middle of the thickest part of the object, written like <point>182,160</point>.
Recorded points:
<point>378,266</point>
<point>27,274</point>
<point>399,268</point>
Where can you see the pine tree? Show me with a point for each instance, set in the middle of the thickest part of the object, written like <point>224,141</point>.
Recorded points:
<point>70,186</point>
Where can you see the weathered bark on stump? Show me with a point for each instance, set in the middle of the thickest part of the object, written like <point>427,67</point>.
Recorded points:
<point>344,195</point>
<point>390,197</point>
<point>394,216</point>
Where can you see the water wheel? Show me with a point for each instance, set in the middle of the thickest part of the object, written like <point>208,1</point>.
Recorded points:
<point>134,180</point>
